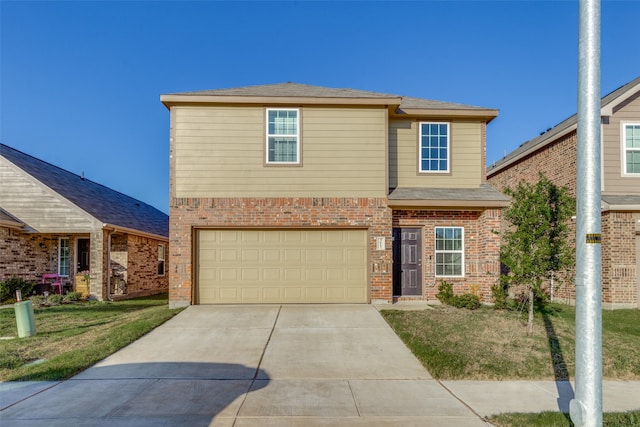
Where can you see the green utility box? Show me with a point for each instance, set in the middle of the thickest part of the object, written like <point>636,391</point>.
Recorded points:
<point>25,319</point>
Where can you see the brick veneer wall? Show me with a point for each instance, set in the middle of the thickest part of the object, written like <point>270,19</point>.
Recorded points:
<point>187,214</point>
<point>481,248</point>
<point>619,275</point>
<point>28,255</point>
<point>142,267</point>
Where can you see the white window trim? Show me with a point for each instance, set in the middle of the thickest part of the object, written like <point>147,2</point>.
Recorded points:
<point>623,145</point>
<point>435,252</point>
<point>266,130</point>
<point>420,147</point>
<point>60,255</point>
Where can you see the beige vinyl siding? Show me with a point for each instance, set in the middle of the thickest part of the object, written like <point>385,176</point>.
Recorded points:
<point>38,206</point>
<point>465,157</point>
<point>220,152</point>
<point>613,146</point>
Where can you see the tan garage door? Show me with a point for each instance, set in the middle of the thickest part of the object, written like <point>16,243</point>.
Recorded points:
<point>281,266</point>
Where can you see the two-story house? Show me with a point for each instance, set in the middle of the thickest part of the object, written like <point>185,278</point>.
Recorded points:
<point>554,154</point>
<point>291,193</point>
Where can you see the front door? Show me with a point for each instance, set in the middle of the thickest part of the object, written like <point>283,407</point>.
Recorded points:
<point>83,254</point>
<point>407,261</point>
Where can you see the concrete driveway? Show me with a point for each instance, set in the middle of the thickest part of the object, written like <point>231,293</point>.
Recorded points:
<point>245,366</point>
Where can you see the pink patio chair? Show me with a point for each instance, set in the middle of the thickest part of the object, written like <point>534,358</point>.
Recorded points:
<point>57,281</point>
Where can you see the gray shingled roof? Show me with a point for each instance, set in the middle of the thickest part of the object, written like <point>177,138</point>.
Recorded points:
<point>482,193</point>
<point>106,205</point>
<point>309,91</point>
<point>540,141</point>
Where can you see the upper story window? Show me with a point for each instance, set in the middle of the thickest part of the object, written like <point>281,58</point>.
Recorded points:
<point>434,147</point>
<point>283,136</point>
<point>631,141</point>
<point>449,252</point>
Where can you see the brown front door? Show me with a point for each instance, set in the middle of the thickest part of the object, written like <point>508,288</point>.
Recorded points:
<point>407,261</point>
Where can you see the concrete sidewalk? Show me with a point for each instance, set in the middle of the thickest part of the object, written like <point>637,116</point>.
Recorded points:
<point>292,365</point>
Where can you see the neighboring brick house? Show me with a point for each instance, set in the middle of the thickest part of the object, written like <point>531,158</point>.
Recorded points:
<point>296,193</point>
<point>55,222</point>
<point>554,154</point>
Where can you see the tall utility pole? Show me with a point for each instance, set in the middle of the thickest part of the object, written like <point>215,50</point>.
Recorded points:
<point>586,408</point>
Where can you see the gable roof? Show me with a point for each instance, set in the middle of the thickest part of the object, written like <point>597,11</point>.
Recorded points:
<point>283,93</point>
<point>106,205</point>
<point>607,105</point>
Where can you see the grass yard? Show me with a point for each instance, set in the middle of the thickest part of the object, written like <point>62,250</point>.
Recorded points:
<point>556,419</point>
<point>72,337</point>
<point>488,344</point>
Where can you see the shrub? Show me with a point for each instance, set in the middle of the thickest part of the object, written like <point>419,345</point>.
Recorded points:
<point>499,293</point>
<point>446,296</point>
<point>468,301</point>
<point>72,297</point>
<point>9,286</point>
<point>445,293</point>
<point>54,299</point>
<point>38,301</point>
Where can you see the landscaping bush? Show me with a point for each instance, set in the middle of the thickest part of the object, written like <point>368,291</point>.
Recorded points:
<point>468,301</point>
<point>8,288</point>
<point>72,297</point>
<point>445,293</point>
<point>38,301</point>
<point>500,294</point>
<point>446,296</point>
<point>54,299</point>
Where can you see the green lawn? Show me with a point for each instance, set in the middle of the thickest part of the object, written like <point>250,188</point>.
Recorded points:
<point>72,337</point>
<point>488,344</point>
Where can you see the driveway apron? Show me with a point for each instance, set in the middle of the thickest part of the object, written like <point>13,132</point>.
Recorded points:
<point>246,366</point>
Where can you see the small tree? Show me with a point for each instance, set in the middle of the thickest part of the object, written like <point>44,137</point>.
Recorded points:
<point>536,246</point>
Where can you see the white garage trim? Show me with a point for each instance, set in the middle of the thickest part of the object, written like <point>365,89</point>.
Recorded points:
<point>239,266</point>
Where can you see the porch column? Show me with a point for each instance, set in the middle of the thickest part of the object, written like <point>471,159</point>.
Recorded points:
<point>97,281</point>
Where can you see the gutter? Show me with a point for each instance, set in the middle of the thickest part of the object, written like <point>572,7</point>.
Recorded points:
<point>117,228</point>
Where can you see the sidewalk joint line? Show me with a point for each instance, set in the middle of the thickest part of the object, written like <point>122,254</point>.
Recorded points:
<point>255,375</point>
<point>461,401</point>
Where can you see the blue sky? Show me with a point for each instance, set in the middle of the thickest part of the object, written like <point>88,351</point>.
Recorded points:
<point>80,81</point>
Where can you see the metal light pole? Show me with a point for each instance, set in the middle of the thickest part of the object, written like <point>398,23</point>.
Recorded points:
<point>586,408</point>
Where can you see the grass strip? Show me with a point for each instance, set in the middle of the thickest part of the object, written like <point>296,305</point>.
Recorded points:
<point>558,419</point>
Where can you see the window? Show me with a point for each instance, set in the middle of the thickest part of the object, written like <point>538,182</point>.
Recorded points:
<point>64,260</point>
<point>449,251</point>
<point>434,147</point>
<point>283,145</point>
<point>161,258</point>
<point>631,137</point>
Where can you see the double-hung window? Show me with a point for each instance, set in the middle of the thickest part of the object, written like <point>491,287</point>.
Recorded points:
<point>434,147</point>
<point>283,136</point>
<point>631,148</point>
<point>64,256</point>
<point>449,251</point>
<point>161,259</point>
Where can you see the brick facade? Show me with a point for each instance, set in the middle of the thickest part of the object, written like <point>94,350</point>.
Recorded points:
<point>481,248</point>
<point>481,241</point>
<point>189,214</point>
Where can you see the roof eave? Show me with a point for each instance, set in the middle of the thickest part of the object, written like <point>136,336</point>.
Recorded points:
<point>126,230</point>
<point>484,114</point>
<point>443,204</point>
<point>12,224</point>
<point>170,100</point>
